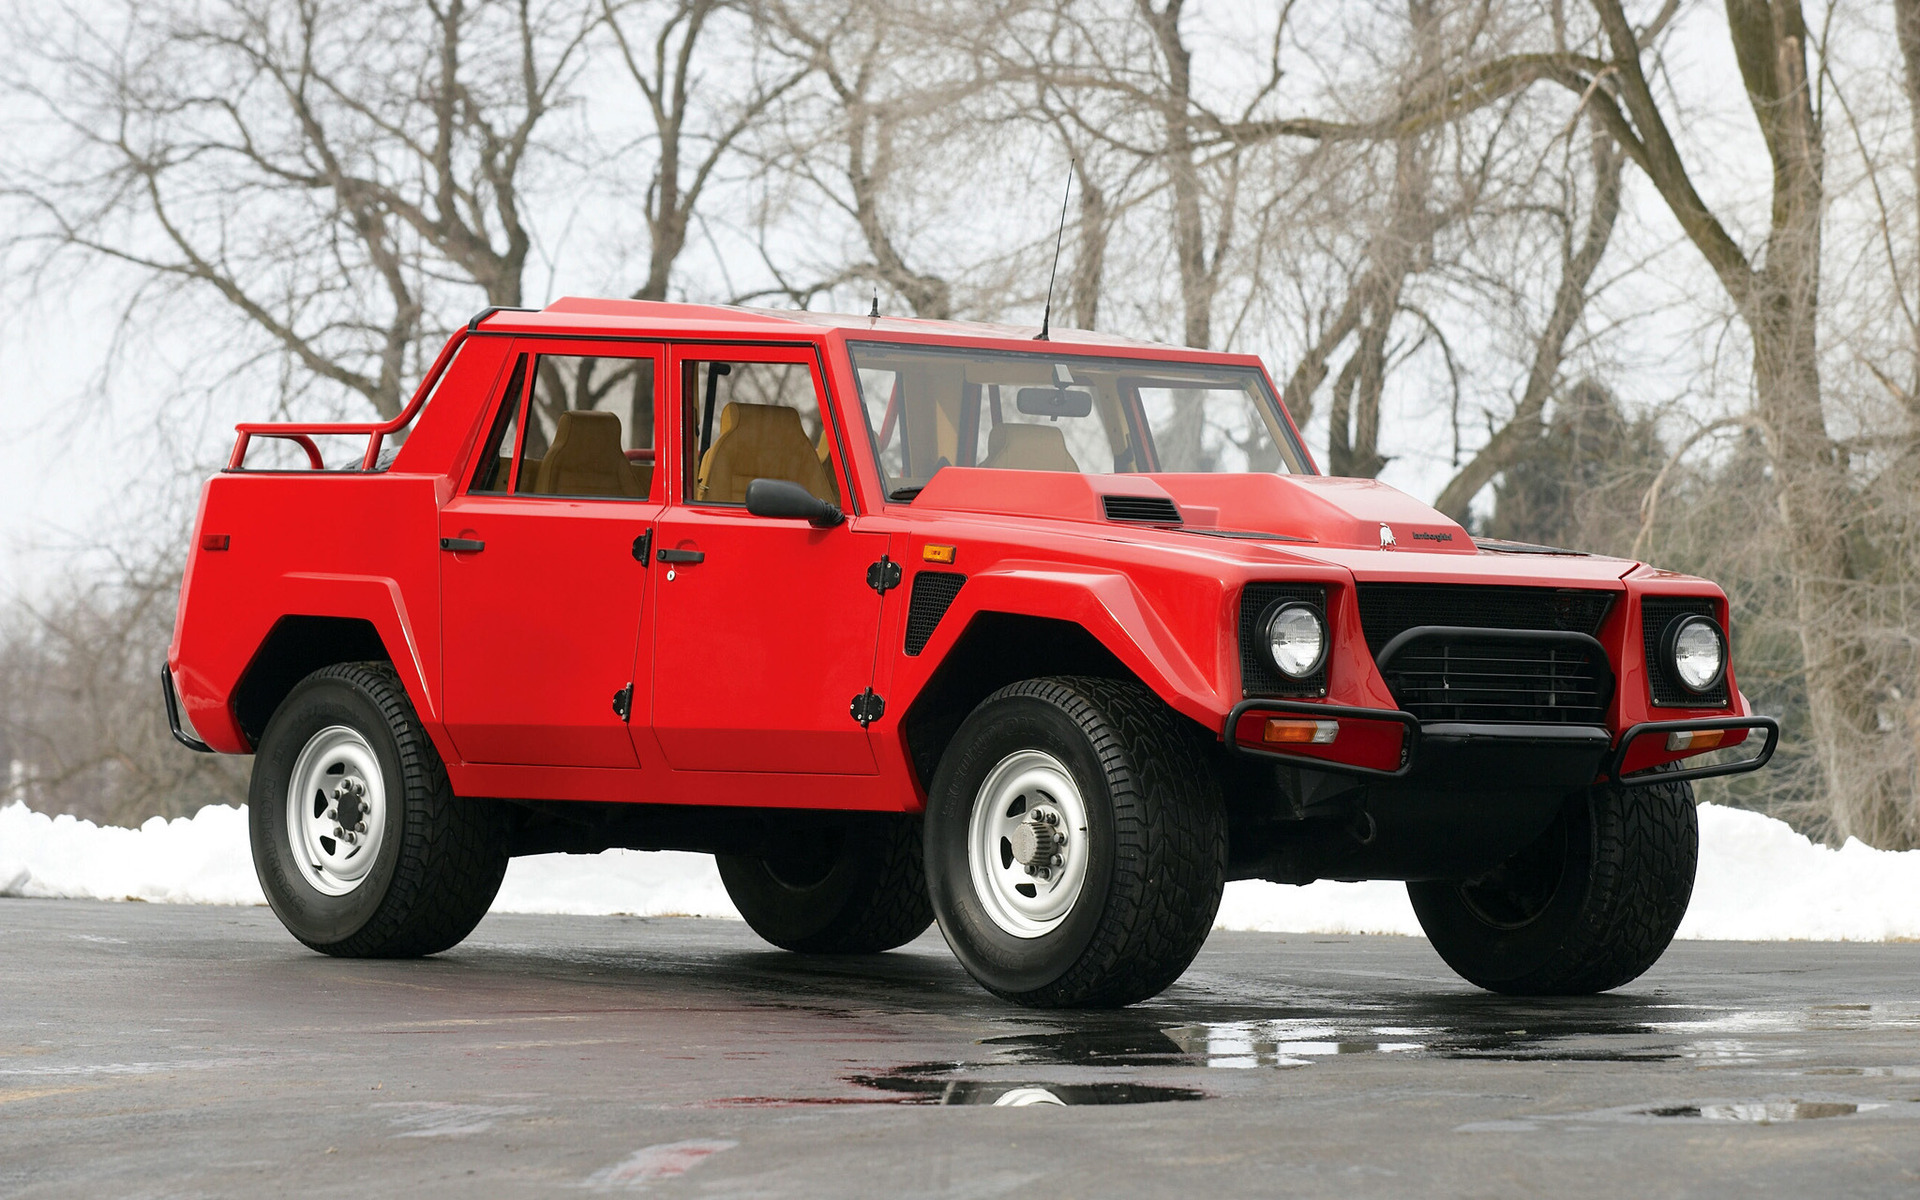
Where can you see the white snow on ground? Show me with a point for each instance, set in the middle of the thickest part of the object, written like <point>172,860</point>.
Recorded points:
<point>1758,880</point>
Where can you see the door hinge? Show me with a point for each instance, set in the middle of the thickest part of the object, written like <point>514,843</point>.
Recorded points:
<point>867,707</point>
<point>883,575</point>
<point>643,547</point>
<point>623,702</point>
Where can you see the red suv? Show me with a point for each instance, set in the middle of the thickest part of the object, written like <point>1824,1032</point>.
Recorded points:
<point>910,620</point>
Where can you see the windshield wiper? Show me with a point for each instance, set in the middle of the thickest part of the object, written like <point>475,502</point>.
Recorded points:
<point>905,494</point>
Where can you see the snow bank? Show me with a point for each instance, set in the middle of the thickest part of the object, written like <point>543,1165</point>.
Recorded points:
<point>1758,880</point>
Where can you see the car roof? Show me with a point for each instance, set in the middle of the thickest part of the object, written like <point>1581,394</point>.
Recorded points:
<point>582,316</point>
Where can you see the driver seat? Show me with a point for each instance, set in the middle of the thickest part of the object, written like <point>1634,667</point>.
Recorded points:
<point>1029,448</point>
<point>761,441</point>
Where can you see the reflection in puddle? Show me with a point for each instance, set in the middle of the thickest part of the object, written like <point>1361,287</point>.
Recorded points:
<point>1235,1041</point>
<point>920,1085</point>
<point>1231,1044</point>
<point>1762,1112</point>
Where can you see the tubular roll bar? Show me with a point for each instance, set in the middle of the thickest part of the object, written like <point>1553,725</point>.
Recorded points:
<point>376,432</point>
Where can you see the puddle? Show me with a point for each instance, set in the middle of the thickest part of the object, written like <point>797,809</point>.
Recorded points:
<point>1105,1055</point>
<point>1761,1112</point>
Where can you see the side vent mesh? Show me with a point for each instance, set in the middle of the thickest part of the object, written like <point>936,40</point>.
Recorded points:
<point>1152,510</point>
<point>933,593</point>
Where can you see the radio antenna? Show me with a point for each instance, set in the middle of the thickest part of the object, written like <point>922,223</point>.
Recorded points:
<point>1046,317</point>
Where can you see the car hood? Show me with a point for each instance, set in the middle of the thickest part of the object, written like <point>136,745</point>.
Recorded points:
<point>1362,525</point>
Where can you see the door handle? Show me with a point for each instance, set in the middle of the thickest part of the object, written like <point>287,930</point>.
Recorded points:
<point>682,556</point>
<point>463,545</point>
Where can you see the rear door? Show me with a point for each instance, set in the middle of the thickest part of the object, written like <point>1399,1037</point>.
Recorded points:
<point>764,628</point>
<point>543,578</point>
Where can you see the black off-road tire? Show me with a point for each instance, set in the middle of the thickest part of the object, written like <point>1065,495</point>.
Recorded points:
<point>1157,838</point>
<point>441,858</point>
<point>1588,907</point>
<point>861,890</point>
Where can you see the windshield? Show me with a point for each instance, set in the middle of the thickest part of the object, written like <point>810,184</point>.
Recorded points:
<point>929,408</point>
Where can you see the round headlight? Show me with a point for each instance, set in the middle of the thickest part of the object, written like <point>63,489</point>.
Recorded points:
<point>1696,652</point>
<point>1296,638</point>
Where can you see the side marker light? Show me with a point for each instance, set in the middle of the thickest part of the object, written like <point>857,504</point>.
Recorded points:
<point>937,554</point>
<point>215,541</point>
<point>1696,740</point>
<point>1300,732</point>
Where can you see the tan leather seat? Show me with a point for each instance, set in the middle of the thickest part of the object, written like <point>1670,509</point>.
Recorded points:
<point>761,441</point>
<point>1029,448</point>
<point>586,459</point>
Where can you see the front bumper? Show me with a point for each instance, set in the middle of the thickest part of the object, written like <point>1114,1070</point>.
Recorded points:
<point>1460,754</point>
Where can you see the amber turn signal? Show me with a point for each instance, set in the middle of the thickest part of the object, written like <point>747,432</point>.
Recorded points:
<point>1696,740</point>
<point>1300,733</point>
<point>937,554</point>
<point>216,541</point>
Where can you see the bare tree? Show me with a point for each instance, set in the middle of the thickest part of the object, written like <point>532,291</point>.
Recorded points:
<point>662,48</point>
<point>80,729</point>
<point>1579,261</point>
<point>1777,294</point>
<point>325,169</point>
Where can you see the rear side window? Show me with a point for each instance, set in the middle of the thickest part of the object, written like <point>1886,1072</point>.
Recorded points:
<point>574,425</point>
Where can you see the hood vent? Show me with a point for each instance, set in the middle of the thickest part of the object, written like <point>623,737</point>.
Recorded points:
<point>1147,510</point>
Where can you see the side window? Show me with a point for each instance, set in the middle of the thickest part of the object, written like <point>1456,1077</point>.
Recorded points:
<point>588,429</point>
<point>494,473</point>
<point>754,420</point>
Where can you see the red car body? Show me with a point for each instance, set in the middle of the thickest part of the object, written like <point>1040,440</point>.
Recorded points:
<point>562,659</point>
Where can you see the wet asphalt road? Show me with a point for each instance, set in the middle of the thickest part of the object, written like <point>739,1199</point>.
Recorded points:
<point>150,1051</point>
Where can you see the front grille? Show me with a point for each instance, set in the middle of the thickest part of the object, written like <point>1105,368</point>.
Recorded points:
<point>1464,676</point>
<point>1388,610</point>
<point>1153,510</point>
<point>1258,676</point>
<point>933,593</point>
<point>1656,613</point>
<point>1487,678</point>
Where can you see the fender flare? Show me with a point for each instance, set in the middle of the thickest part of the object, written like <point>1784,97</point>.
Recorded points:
<point>1109,606</point>
<point>378,600</point>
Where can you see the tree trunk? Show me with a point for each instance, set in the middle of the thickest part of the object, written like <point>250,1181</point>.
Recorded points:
<point>1090,263</point>
<point>1870,790</point>
<point>1906,24</point>
<point>1569,302</point>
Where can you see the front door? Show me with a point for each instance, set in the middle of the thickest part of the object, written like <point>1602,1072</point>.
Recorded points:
<point>542,578</point>
<point>764,628</point>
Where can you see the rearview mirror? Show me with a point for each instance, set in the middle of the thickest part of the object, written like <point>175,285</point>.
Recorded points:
<point>785,498</point>
<point>1055,402</point>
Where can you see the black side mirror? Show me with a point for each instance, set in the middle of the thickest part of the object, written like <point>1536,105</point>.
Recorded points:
<point>785,498</point>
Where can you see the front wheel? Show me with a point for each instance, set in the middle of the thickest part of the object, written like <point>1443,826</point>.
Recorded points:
<point>360,844</point>
<point>1589,906</point>
<point>1076,843</point>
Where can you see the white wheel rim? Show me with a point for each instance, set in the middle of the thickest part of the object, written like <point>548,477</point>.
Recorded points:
<point>1028,899</point>
<point>336,810</point>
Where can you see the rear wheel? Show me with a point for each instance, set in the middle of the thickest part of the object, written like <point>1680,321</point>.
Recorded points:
<point>360,844</point>
<point>1076,843</point>
<point>1587,907</point>
<point>858,889</point>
